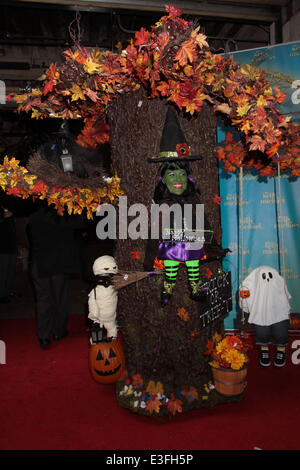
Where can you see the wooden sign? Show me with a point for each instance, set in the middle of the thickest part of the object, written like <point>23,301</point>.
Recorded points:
<point>218,299</point>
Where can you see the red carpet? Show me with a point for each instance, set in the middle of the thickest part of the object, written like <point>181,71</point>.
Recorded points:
<point>48,401</point>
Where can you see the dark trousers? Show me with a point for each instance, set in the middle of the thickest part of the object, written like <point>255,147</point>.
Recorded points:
<point>7,273</point>
<point>276,334</point>
<point>51,303</point>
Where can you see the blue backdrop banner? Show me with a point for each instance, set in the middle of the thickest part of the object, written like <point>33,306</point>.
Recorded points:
<point>262,240</point>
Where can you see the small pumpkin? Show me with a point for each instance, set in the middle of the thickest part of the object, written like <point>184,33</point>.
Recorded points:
<point>106,361</point>
<point>244,294</point>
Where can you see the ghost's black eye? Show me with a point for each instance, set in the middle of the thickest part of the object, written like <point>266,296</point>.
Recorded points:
<point>264,275</point>
<point>270,275</point>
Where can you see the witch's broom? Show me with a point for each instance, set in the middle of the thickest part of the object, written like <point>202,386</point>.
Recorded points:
<point>125,278</point>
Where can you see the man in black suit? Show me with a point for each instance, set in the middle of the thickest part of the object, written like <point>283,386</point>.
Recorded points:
<point>54,256</point>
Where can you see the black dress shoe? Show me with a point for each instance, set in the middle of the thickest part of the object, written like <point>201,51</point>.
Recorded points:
<point>58,337</point>
<point>45,343</point>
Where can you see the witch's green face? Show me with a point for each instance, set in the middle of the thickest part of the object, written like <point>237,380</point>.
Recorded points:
<point>176,181</point>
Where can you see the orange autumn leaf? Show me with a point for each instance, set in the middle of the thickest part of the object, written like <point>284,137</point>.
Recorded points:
<point>137,381</point>
<point>174,405</point>
<point>163,88</point>
<point>190,394</point>
<point>209,348</point>
<point>279,95</point>
<point>193,334</point>
<point>52,72</point>
<point>155,388</point>
<point>158,264</point>
<point>153,406</point>
<point>186,53</point>
<point>183,314</point>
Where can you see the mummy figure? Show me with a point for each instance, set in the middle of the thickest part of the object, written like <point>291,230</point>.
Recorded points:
<point>103,299</point>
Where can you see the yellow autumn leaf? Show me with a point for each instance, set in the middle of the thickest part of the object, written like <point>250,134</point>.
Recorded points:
<point>268,92</point>
<point>242,110</point>
<point>35,114</point>
<point>36,92</point>
<point>77,93</point>
<point>188,70</point>
<point>250,72</point>
<point>261,101</point>
<point>20,98</point>
<point>90,66</point>
<point>246,127</point>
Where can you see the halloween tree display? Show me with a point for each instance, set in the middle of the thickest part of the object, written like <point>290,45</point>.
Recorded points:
<point>126,98</point>
<point>164,344</point>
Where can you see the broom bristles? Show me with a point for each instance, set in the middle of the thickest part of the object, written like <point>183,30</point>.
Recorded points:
<point>125,278</point>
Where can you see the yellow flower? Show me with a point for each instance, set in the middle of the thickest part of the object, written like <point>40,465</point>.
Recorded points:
<point>235,359</point>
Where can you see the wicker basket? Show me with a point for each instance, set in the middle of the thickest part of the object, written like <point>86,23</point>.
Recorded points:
<point>229,382</point>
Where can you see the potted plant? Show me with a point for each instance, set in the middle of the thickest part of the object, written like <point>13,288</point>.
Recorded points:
<point>229,361</point>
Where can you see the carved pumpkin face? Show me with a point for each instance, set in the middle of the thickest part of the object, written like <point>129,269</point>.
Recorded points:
<point>106,361</point>
<point>244,294</point>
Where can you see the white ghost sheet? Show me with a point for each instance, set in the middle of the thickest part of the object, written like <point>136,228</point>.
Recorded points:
<point>269,298</point>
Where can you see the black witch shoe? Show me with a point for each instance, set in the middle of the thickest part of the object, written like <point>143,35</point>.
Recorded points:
<point>166,293</point>
<point>198,293</point>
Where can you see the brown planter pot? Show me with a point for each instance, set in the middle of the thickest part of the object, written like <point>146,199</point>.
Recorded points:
<point>229,382</point>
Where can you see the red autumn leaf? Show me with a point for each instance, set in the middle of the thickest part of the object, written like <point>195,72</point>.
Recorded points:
<point>48,87</point>
<point>210,347</point>
<point>174,405</point>
<point>208,272</point>
<point>229,137</point>
<point>141,37</point>
<point>267,171</point>
<point>135,254</point>
<point>217,200</point>
<point>16,191</point>
<point>173,11</point>
<point>39,187</point>
<point>91,94</point>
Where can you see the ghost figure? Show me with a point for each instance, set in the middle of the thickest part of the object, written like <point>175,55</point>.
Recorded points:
<point>103,299</point>
<point>268,302</point>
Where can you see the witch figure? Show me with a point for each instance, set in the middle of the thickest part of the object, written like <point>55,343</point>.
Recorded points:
<point>188,239</point>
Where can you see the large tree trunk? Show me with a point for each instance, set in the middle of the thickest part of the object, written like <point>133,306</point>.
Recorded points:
<point>159,345</point>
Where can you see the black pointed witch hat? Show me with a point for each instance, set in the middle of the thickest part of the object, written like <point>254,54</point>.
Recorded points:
<point>173,145</point>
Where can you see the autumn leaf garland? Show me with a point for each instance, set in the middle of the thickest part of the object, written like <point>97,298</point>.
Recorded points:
<point>18,181</point>
<point>171,60</point>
